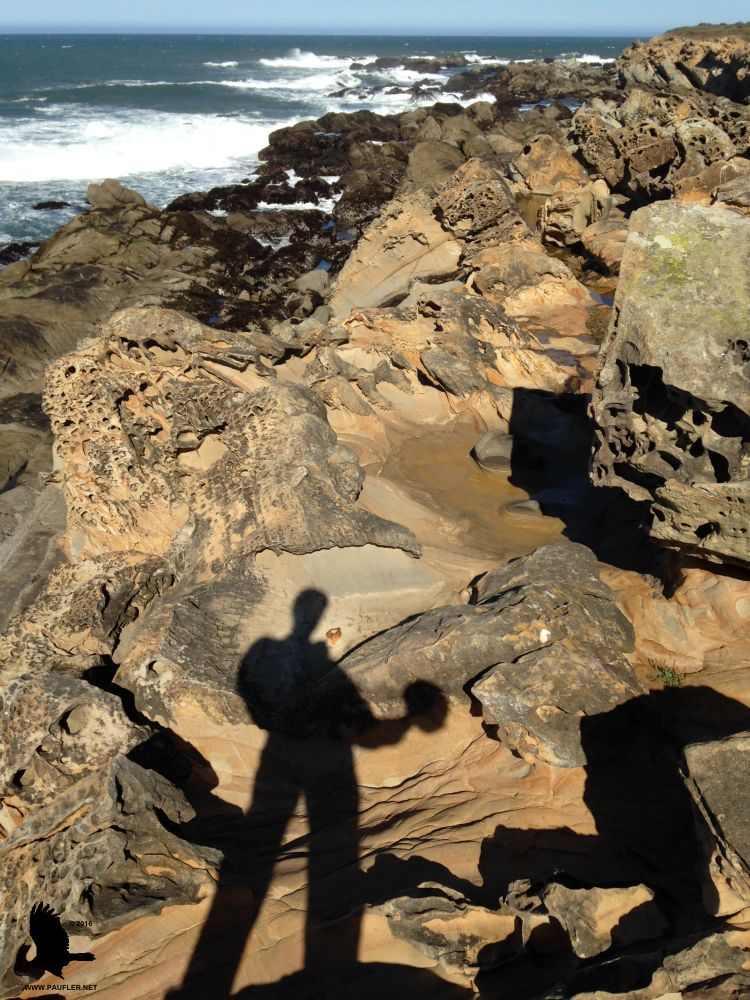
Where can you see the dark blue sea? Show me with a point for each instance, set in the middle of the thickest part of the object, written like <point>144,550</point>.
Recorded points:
<point>173,113</point>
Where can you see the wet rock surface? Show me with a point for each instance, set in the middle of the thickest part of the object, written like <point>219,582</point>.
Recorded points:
<point>326,668</point>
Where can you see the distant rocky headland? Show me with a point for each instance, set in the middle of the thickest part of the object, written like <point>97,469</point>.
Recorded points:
<point>375,552</point>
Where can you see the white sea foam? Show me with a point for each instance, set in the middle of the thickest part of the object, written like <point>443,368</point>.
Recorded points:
<point>474,58</point>
<point>323,82</point>
<point>99,144</point>
<point>408,76</point>
<point>322,205</point>
<point>299,206</point>
<point>297,59</point>
<point>585,58</point>
<point>222,65</point>
<point>388,104</point>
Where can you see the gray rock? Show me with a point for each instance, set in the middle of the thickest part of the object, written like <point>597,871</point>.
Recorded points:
<point>735,193</point>
<point>538,700</point>
<point>524,508</point>
<point>316,280</point>
<point>672,396</point>
<point>597,919</point>
<point>460,938</point>
<point>494,450</point>
<point>546,604</point>
<point>431,165</point>
<point>454,374</point>
<point>718,777</point>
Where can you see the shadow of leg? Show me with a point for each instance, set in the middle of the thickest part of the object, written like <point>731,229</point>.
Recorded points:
<point>334,878</point>
<point>245,876</point>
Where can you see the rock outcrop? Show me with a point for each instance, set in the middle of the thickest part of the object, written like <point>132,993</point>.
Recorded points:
<point>304,691</point>
<point>716,63</point>
<point>653,146</point>
<point>673,396</point>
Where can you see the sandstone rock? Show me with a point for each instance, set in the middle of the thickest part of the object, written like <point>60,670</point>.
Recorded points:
<point>99,852</point>
<point>597,919</point>
<point>240,476</point>
<point>111,194</point>
<point>404,244</point>
<point>58,729</point>
<point>671,424</point>
<point>546,167</point>
<point>461,340</point>
<point>459,939</point>
<point>210,501</point>
<point>716,65</point>
<point>564,217</point>
<point>514,618</point>
<point>78,615</point>
<point>157,458</point>
<point>531,285</point>
<point>657,146</point>
<point>477,204</point>
<point>701,625</point>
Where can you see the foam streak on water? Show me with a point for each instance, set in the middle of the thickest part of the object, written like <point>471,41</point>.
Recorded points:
<point>170,114</point>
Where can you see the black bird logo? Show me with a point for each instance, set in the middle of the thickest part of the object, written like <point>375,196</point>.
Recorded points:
<point>52,942</point>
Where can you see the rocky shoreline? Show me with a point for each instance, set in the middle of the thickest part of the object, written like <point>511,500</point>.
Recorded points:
<point>375,566</point>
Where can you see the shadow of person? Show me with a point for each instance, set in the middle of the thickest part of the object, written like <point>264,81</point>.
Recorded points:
<point>308,756</point>
<point>647,828</point>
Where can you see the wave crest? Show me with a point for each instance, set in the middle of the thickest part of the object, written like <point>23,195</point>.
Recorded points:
<point>297,59</point>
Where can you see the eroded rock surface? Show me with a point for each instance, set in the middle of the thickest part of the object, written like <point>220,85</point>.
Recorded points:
<point>278,729</point>
<point>673,391</point>
<point>712,63</point>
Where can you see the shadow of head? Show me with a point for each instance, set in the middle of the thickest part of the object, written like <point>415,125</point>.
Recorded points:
<point>426,705</point>
<point>309,607</point>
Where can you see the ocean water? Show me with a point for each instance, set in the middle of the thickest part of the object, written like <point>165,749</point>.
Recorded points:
<point>168,114</point>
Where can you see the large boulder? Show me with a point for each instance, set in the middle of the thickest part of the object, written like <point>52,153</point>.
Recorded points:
<point>672,399</point>
<point>542,646</point>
